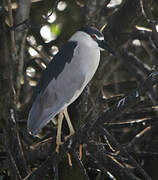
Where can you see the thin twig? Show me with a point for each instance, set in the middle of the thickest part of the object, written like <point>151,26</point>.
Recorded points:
<point>138,137</point>
<point>123,150</point>
<point>99,154</point>
<point>146,11</point>
<point>135,123</point>
<point>53,8</point>
<point>22,14</point>
<point>11,24</point>
<point>81,166</point>
<point>42,54</point>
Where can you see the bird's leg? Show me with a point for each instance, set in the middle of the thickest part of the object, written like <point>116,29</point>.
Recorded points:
<point>80,151</point>
<point>55,121</point>
<point>72,131</point>
<point>58,138</point>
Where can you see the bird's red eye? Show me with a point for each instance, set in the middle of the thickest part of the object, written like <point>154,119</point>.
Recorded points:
<point>93,36</point>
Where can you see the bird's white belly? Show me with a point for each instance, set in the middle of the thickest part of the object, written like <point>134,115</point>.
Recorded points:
<point>88,67</point>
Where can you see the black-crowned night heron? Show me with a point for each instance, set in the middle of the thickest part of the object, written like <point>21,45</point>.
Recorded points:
<point>65,78</point>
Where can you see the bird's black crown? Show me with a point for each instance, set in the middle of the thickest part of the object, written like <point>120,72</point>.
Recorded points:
<point>91,30</point>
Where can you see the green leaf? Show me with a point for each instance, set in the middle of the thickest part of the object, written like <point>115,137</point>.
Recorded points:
<point>55,29</point>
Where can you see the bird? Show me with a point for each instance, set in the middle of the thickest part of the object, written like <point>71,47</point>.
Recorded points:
<point>64,79</point>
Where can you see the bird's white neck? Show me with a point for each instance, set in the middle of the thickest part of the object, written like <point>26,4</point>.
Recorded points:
<point>84,39</point>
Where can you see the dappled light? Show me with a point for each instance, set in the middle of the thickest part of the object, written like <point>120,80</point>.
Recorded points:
<point>30,71</point>
<point>61,5</point>
<point>114,3</point>
<point>51,17</point>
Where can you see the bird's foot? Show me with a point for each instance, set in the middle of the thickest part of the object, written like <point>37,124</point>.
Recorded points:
<point>67,137</point>
<point>69,159</point>
<point>58,145</point>
<point>69,156</point>
<point>80,151</point>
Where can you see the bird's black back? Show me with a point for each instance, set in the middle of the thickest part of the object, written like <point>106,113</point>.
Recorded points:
<point>55,67</point>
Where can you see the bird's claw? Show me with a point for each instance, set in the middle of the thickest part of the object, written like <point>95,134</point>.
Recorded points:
<point>67,137</point>
<point>58,145</point>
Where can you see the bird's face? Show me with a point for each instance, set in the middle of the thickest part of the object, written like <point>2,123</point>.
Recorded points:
<point>98,37</point>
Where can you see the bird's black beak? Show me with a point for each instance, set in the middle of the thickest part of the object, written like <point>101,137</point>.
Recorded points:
<point>104,46</point>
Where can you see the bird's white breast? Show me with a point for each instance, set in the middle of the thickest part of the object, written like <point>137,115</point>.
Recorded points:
<point>87,57</point>
<point>89,61</point>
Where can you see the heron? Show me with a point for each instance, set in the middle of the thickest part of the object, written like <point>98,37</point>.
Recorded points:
<point>64,79</point>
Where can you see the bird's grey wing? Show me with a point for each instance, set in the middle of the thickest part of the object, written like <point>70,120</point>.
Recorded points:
<point>56,88</point>
<point>55,67</point>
